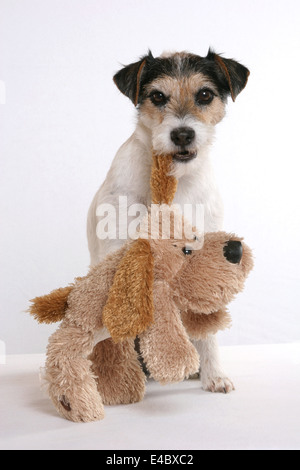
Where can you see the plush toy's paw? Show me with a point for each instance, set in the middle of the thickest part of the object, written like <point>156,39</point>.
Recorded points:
<point>176,367</point>
<point>122,390</point>
<point>217,384</point>
<point>79,406</point>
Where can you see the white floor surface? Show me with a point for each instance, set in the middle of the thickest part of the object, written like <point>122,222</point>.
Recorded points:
<point>263,412</point>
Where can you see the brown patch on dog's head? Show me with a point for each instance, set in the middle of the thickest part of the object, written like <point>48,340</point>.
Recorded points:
<point>128,79</point>
<point>181,99</point>
<point>227,75</point>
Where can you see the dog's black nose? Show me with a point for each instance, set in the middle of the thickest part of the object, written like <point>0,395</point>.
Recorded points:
<point>183,136</point>
<point>233,251</point>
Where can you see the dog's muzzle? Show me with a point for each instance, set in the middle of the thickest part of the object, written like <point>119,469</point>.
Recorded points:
<point>182,137</point>
<point>185,156</point>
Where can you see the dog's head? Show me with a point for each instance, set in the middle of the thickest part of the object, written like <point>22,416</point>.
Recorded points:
<point>181,97</point>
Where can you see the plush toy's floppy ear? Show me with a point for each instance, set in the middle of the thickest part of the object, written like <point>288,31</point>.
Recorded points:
<point>128,79</point>
<point>235,74</point>
<point>129,309</point>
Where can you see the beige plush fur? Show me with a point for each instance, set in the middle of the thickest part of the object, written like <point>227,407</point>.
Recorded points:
<point>189,294</point>
<point>161,288</point>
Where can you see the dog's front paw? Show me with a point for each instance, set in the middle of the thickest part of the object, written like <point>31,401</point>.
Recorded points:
<point>217,384</point>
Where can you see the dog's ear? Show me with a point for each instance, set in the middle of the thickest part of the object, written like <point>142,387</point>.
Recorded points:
<point>232,73</point>
<point>129,309</point>
<point>128,79</point>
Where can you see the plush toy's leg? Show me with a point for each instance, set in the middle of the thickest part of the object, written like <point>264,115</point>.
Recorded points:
<point>202,328</point>
<point>165,346</point>
<point>212,377</point>
<point>72,386</point>
<point>119,375</point>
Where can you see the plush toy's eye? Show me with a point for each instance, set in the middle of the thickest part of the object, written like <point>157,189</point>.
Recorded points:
<point>187,251</point>
<point>158,98</point>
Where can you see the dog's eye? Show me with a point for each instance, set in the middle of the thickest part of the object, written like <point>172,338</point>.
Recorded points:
<point>187,251</point>
<point>158,98</point>
<point>204,96</point>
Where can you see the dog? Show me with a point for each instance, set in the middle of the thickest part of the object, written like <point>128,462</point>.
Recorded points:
<point>180,97</point>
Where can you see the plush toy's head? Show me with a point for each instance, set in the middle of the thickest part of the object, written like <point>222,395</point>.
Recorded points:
<point>203,274</point>
<point>210,277</point>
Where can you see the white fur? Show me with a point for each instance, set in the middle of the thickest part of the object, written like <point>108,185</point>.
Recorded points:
<point>130,175</point>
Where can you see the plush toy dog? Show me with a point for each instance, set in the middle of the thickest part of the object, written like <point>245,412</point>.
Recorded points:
<point>164,291</point>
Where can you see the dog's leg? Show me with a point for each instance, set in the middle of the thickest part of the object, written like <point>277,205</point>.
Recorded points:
<point>72,387</point>
<point>165,346</point>
<point>212,377</point>
<point>119,374</point>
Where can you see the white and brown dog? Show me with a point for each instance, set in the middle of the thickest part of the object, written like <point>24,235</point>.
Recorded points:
<point>180,97</point>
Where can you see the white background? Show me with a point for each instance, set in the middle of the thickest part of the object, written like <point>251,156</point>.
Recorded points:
<point>63,121</point>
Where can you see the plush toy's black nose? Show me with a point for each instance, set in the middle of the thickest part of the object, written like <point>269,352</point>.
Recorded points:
<point>183,136</point>
<point>233,251</point>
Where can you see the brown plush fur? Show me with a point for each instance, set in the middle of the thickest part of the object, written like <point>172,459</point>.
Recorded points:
<point>89,295</point>
<point>52,307</point>
<point>163,186</point>
<point>120,379</point>
<point>189,296</point>
<point>129,309</point>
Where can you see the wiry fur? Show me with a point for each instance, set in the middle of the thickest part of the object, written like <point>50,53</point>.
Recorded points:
<point>179,76</point>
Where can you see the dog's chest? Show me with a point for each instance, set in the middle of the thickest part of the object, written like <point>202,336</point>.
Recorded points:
<point>201,203</point>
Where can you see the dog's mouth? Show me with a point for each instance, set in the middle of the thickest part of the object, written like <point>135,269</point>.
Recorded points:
<point>185,155</point>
